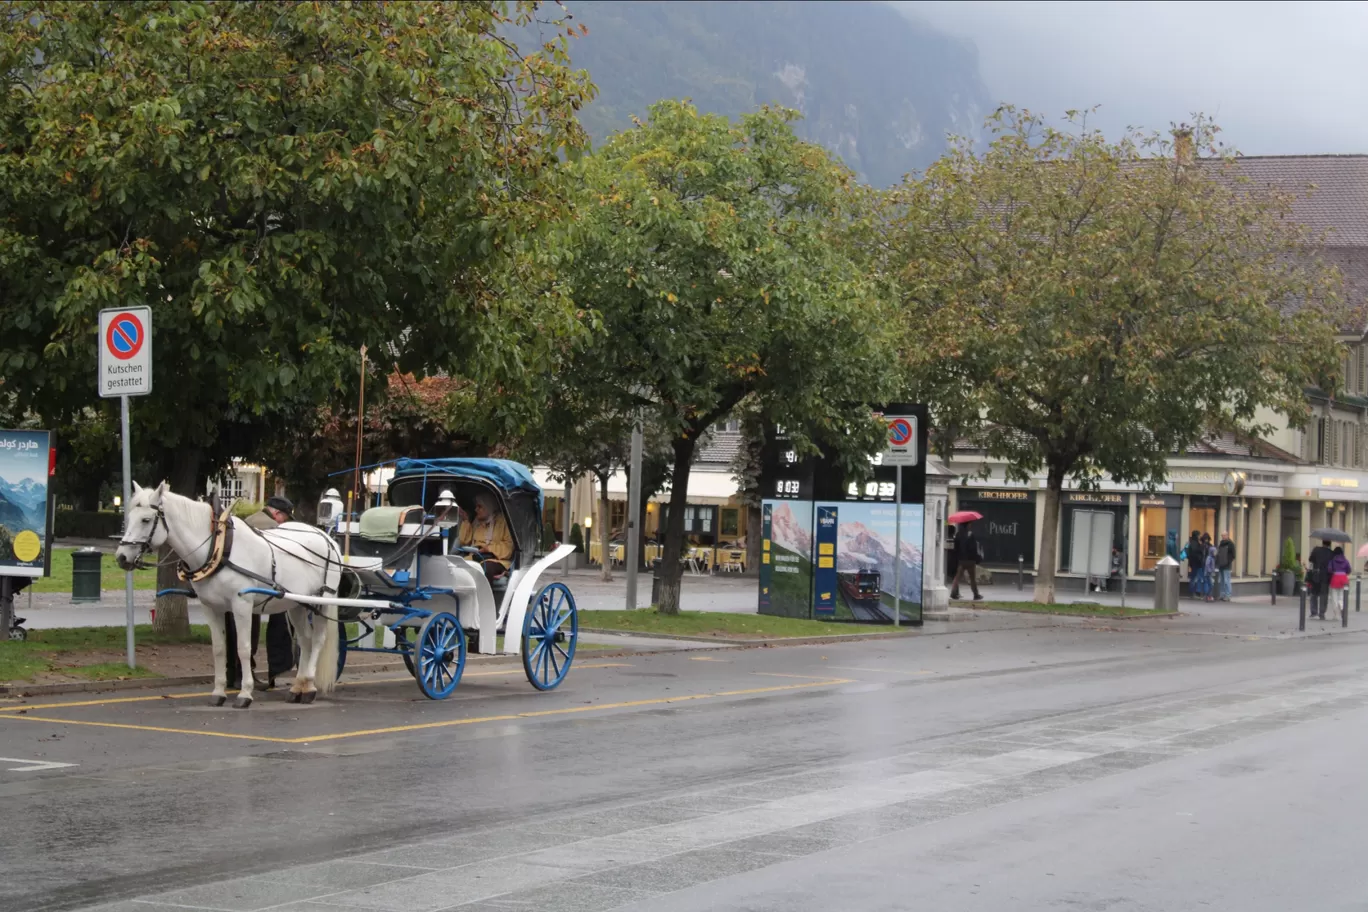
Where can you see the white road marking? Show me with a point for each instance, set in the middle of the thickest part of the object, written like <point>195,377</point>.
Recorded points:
<point>33,766</point>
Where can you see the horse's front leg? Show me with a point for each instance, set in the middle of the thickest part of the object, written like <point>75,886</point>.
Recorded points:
<point>218,637</point>
<point>242,619</point>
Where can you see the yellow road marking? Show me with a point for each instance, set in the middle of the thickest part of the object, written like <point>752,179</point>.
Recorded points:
<point>885,670</point>
<point>109,701</point>
<point>775,674</point>
<point>509,717</point>
<point>706,659</point>
<point>153,728</point>
<point>423,726</point>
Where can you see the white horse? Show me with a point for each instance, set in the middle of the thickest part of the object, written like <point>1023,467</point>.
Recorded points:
<point>292,558</point>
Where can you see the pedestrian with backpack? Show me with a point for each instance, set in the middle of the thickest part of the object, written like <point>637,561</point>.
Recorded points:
<point>1195,555</point>
<point>968,553</point>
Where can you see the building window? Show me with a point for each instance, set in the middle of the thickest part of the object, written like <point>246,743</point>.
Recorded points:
<point>617,512</point>
<point>731,523</point>
<point>231,490</point>
<point>1202,516</point>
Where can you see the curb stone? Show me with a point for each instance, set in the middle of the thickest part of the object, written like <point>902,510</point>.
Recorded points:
<point>21,689</point>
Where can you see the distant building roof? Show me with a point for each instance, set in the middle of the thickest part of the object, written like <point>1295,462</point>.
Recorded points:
<point>1331,191</point>
<point>720,448</point>
<point>1330,197</point>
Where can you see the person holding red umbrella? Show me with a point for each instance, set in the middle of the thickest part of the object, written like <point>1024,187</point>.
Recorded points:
<point>968,552</point>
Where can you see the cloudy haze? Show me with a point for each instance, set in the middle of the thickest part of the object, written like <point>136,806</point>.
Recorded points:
<point>1278,77</point>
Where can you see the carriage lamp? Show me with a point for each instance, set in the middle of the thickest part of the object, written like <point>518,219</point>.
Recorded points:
<point>329,507</point>
<point>445,506</point>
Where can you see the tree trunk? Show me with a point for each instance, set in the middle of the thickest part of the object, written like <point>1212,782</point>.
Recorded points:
<point>173,611</point>
<point>671,564</point>
<point>754,528</point>
<point>1049,534</point>
<point>605,530</point>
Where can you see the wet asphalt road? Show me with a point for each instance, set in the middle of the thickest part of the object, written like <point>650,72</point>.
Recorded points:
<point>1056,768</point>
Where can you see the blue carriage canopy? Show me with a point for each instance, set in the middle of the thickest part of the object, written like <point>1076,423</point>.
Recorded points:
<point>421,480</point>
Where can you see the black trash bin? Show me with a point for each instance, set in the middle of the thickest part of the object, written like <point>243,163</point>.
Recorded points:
<point>85,575</point>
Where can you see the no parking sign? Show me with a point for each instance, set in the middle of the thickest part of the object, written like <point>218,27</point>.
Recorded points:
<point>125,352</point>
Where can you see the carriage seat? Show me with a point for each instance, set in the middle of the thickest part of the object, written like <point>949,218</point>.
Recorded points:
<point>383,524</point>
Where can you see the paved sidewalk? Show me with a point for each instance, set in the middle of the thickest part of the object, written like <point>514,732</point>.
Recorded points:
<point>731,593</point>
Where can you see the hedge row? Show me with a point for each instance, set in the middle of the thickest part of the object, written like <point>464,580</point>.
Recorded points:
<point>87,524</point>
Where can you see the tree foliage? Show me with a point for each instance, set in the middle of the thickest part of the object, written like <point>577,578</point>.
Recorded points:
<point>281,182</point>
<point>710,253</point>
<point>1085,307</point>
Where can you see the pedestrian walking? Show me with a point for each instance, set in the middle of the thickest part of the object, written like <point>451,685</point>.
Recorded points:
<point>1209,571</point>
<point>1318,578</point>
<point>967,557</point>
<point>1340,568</point>
<point>1195,555</point>
<point>1225,563</point>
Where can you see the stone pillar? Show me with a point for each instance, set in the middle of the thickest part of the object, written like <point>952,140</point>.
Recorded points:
<point>1040,526</point>
<point>1272,523</point>
<point>1184,522</point>
<point>1133,537</point>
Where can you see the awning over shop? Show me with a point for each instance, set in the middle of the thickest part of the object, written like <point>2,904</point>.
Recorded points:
<point>704,487</point>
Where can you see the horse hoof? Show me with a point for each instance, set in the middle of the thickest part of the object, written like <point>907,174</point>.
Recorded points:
<point>242,703</point>
<point>293,698</point>
<point>217,701</point>
<point>308,697</point>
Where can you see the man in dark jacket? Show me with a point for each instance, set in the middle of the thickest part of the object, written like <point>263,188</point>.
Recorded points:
<point>279,642</point>
<point>1318,578</point>
<point>966,561</point>
<point>1225,563</point>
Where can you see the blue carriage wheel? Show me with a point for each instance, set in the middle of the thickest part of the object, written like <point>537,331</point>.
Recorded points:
<point>550,632</point>
<point>439,655</point>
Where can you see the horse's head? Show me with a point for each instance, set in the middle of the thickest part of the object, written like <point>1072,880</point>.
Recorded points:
<point>144,526</point>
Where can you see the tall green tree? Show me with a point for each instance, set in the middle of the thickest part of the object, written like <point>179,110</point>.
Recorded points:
<point>281,183</point>
<point>1082,306</point>
<point>712,254</point>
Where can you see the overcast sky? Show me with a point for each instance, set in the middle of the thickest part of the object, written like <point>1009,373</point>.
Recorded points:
<point>1279,77</point>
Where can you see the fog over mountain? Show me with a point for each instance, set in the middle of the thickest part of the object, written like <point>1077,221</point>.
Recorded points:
<point>1279,77</point>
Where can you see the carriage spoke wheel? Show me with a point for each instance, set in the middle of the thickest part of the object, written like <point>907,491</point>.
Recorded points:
<point>439,655</point>
<point>550,631</point>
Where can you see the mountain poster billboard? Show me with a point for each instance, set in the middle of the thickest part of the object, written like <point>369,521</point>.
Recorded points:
<point>23,502</point>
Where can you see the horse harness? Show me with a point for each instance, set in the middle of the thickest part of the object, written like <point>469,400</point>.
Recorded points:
<point>220,549</point>
<point>220,543</point>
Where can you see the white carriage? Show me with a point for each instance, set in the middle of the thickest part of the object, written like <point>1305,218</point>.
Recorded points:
<point>406,573</point>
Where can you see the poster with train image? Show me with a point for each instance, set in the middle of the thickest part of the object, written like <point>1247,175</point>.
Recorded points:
<point>855,572</point>
<point>23,502</point>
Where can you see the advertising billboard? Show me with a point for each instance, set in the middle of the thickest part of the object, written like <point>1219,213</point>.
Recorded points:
<point>23,502</point>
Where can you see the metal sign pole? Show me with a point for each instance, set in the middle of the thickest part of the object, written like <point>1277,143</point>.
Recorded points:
<point>633,512</point>
<point>127,499</point>
<point>897,547</point>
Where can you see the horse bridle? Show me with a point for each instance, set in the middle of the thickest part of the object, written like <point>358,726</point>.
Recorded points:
<point>145,546</point>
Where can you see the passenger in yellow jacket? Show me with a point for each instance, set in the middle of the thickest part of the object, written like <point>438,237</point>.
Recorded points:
<point>488,533</point>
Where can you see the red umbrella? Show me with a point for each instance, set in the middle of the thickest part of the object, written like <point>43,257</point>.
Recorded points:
<point>963,516</point>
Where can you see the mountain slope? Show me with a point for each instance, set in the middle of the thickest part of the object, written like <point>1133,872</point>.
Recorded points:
<point>877,89</point>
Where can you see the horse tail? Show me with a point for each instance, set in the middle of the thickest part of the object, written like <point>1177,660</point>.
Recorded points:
<point>325,678</point>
